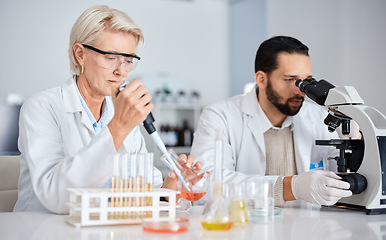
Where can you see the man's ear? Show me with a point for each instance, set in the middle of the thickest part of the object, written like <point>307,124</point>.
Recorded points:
<point>261,79</point>
<point>79,53</point>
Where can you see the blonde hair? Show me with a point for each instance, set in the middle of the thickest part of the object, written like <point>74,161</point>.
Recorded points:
<point>92,22</point>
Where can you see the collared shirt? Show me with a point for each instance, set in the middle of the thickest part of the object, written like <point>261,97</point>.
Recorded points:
<point>278,145</point>
<point>105,117</point>
<point>266,124</point>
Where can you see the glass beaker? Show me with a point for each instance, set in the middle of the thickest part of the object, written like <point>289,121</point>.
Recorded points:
<point>260,201</point>
<point>196,182</point>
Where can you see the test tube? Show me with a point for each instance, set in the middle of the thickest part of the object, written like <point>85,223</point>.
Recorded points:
<point>124,183</point>
<point>149,187</point>
<point>115,183</point>
<point>140,179</point>
<point>131,185</point>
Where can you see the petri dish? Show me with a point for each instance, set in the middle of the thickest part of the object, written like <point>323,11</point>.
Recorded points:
<point>277,211</point>
<point>164,226</point>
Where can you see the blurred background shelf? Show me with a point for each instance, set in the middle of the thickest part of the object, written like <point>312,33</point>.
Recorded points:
<point>171,121</point>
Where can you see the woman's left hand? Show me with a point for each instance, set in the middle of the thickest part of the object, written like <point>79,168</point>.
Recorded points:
<point>170,181</point>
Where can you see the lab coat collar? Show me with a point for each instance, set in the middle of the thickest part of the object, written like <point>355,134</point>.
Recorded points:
<point>256,124</point>
<point>249,104</point>
<point>266,124</point>
<point>255,109</point>
<point>72,103</point>
<point>70,97</point>
<point>303,139</point>
<point>107,111</point>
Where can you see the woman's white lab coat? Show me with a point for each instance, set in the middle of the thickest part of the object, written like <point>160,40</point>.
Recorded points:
<point>244,147</point>
<point>60,150</point>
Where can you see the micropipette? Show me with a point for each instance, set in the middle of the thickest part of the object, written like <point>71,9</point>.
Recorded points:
<point>148,125</point>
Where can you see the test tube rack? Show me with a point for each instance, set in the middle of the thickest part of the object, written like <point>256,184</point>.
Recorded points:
<point>91,207</point>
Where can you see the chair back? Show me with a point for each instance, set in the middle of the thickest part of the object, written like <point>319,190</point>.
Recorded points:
<point>9,178</point>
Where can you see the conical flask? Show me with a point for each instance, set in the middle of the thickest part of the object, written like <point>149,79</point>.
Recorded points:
<point>215,215</point>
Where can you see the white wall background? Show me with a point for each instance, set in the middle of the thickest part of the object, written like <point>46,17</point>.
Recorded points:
<point>247,31</point>
<point>347,41</point>
<point>186,44</point>
<point>207,45</point>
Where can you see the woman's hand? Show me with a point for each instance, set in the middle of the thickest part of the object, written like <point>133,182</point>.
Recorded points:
<point>171,180</point>
<point>131,106</point>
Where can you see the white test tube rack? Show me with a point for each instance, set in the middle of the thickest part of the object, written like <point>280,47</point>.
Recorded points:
<point>90,206</point>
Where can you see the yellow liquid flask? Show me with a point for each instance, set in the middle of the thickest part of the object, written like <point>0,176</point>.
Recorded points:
<point>238,206</point>
<point>239,212</point>
<point>215,215</point>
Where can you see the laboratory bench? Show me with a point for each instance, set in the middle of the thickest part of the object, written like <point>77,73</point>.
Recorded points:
<point>295,221</point>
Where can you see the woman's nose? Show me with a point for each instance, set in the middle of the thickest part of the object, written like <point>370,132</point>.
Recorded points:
<point>120,70</point>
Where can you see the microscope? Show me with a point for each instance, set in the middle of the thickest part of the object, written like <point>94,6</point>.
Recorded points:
<point>361,162</point>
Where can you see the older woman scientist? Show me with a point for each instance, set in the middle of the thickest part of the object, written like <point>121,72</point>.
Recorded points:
<point>68,134</point>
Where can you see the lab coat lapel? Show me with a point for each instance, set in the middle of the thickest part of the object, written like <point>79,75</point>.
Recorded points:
<point>252,119</point>
<point>72,104</point>
<point>303,140</point>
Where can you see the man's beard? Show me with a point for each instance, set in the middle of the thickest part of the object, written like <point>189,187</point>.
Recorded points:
<point>274,97</point>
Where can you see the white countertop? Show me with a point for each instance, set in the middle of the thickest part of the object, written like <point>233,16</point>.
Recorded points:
<point>296,221</point>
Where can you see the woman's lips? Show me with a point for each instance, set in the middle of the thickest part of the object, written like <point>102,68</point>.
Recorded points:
<point>116,81</point>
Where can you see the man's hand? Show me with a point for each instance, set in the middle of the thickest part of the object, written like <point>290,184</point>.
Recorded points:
<point>319,187</point>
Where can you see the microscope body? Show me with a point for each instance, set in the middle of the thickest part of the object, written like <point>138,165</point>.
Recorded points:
<point>345,104</point>
<point>372,124</point>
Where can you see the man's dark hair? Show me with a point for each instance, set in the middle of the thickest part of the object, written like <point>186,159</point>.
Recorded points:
<point>266,55</point>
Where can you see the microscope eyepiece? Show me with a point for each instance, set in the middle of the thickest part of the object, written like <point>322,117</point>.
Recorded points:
<point>301,84</point>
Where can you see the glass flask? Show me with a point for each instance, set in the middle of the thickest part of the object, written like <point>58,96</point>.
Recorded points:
<point>196,183</point>
<point>215,215</point>
<point>237,204</point>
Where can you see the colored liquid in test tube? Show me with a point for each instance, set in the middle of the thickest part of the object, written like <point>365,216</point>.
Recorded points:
<point>132,177</point>
<point>149,187</point>
<point>114,201</point>
<point>123,202</point>
<point>139,181</point>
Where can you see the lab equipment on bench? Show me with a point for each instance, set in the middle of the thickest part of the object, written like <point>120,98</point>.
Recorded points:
<point>91,207</point>
<point>361,162</point>
<point>131,199</point>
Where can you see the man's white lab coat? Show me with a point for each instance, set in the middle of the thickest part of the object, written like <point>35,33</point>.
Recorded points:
<point>60,150</point>
<point>243,138</point>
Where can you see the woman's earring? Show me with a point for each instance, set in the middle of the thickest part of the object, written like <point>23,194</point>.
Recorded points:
<point>82,69</point>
